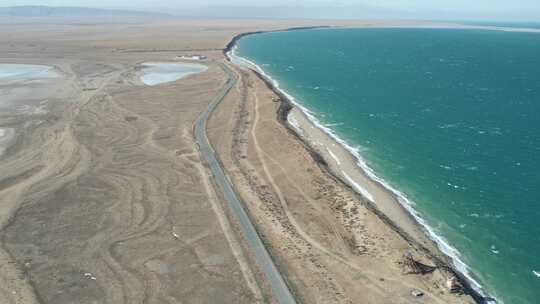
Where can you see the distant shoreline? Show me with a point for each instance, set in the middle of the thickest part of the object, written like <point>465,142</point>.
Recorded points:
<point>288,108</point>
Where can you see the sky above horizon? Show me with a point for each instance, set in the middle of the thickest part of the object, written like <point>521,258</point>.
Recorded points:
<point>457,9</point>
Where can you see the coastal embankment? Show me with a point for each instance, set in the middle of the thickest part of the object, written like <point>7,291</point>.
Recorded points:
<point>344,164</point>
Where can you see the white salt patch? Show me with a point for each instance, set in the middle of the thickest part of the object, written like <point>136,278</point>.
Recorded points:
<point>25,71</point>
<point>334,124</point>
<point>5,137</point>
<point>155,73</point>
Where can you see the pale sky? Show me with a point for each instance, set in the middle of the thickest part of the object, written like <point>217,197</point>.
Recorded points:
<point>448,9</point>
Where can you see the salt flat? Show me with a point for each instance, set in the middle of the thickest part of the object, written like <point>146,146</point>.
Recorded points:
<point>20,72</point>
<point>154,73</point>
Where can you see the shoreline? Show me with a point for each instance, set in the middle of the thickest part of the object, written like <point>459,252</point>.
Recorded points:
<point>289,114</point>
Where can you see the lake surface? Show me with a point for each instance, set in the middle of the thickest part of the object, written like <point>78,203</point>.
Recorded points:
<point>155,73</point>
<point>449,117</point>
<point>521,25</point>
<point>13,74</point>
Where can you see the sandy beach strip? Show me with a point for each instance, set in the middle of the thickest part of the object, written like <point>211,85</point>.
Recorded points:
<point>346,164</point>
<point>343,164</point>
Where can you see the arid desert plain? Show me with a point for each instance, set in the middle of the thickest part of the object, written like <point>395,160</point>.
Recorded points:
<point>105,196</point>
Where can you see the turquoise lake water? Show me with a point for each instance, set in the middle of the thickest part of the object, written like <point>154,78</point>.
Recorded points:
<point>528,25</point>
<point>449,117</point>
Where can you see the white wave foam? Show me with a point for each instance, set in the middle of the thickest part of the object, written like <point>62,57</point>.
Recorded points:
<point>6,134</point>
<point>443,245</point>
<point>363,191</point>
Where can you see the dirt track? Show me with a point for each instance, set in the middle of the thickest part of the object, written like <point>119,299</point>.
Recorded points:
<point>331,246</point>
<point>104,198</point>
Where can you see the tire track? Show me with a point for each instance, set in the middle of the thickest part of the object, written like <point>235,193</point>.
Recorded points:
<point>98,226</point>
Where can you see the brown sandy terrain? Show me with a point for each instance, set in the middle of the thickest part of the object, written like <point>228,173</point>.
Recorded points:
<point>104,197</point>
<point>331,243</point>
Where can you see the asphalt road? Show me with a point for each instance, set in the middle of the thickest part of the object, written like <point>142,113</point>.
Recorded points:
<point>280,290</point>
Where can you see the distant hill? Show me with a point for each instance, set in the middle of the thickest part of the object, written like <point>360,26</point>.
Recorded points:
<point>292,11</point>
<point>49,11</point>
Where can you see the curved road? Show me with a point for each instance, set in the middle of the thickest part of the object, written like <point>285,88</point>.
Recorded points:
<point>280,290</point>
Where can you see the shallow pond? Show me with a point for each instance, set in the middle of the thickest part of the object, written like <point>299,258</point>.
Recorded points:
<point>155,73</point>
<point>25,71</point>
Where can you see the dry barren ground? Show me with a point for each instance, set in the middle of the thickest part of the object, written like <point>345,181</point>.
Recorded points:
<point>104,198</point>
